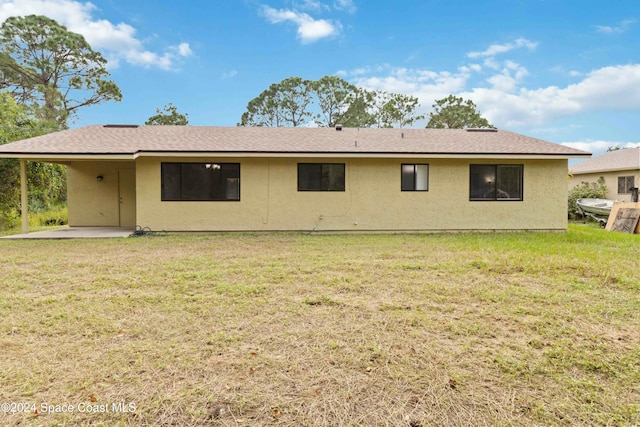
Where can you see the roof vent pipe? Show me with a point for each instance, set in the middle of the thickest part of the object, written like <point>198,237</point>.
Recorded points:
<point>338,127</point>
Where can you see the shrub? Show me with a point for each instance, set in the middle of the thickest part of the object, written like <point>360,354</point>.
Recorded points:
<point>9,219</point>
<point>590,190</point>
<point>52,217</point>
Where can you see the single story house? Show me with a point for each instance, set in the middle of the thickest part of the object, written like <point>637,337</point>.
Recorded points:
<point>192,178</point>
<point>619,168</point>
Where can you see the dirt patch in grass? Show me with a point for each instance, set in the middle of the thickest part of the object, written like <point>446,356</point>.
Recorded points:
<point>288,329</point>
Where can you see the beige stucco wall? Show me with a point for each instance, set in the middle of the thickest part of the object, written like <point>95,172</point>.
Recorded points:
<point>372,200</point>
<point>92,202</point>
<point>610,180</point>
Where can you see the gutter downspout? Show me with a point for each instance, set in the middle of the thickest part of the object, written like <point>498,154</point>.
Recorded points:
<point>24,202</point>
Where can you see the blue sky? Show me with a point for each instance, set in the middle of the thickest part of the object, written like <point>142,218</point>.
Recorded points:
<point>567,71</point>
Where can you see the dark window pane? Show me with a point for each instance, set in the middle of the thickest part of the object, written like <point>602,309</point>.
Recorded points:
<point>321,177</point>
<point>194,182</point>
<point>200,181</point>
<point>309,176</point>
<point>509,182</point>
<point>408,177</point>
<point>482,184</point>
<point>496,182</point>
<point>336,177</point>
<point>625,183</point>
<point>171,187</point>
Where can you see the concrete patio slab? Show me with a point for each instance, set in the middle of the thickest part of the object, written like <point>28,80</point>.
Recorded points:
<point>76,233</point>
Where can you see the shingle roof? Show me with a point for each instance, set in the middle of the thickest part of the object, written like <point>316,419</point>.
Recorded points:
<point>628,158</point>
<point>98,139</point>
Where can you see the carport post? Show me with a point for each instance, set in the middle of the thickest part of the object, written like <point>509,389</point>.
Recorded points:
<point>24,202</point>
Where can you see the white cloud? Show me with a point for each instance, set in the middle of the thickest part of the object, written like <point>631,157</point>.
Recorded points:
<point>608,88</point>
<point>117,42</point>
<point>620,28</point>
<point>365,70</point>
<point>346,5</point>
<point>184,50</point>
<point>599,146</point>
<point>309,29</point>
<point>503,97</point>
<point>562,70</point>
<point>318,6</point>
<point>614,87</point>
<point>311,5</point>
<point>605,29</point>
<point>230,74</point>
<point>504,101</point>
<point>507,81</point>
<point>496,49</point>
<point>426,85</point>
<point>491,63</point>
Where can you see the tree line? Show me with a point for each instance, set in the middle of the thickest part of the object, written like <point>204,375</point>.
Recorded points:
<point>326,102</point>
<point>331,100</point>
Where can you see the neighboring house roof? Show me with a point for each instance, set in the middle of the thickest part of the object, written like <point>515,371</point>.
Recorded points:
<point>125,141</point>
<point>625,159</point>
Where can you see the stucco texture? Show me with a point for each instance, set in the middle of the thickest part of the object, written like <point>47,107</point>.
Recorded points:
<point>94,203</point>
<point>372,200</point>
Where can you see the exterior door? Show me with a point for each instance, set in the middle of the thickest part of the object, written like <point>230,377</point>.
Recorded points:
<point>127,194</point>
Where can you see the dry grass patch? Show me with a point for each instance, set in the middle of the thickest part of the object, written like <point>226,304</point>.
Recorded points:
<point>288,329</point>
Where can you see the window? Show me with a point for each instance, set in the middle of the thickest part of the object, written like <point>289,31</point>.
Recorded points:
<point>200,181</point>
<point>496,182</point>
<point>320,176</point>
<point>415,178</point>
<point>625,184</point>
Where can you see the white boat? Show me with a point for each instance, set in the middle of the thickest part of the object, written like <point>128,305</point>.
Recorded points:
<point>599,207</point>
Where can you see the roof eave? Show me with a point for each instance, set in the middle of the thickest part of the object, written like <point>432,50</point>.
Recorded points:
<point>54,157</point>
<point>289,154</point>
<point>586,172</point>
<point>47,157</point>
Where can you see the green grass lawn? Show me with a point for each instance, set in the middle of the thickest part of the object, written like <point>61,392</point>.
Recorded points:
<point>330,330</point>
